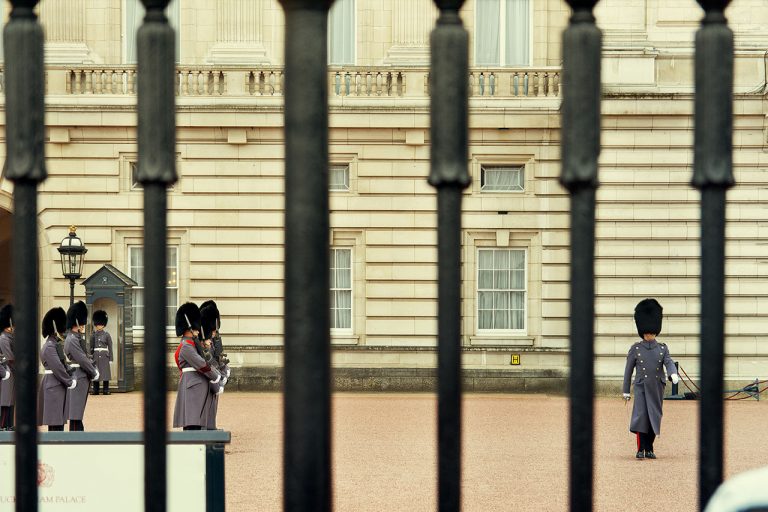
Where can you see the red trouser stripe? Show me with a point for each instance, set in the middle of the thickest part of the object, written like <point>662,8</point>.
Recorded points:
<point>638,440</point>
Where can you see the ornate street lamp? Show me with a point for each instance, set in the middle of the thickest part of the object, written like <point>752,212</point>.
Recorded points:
<point>72,251</point>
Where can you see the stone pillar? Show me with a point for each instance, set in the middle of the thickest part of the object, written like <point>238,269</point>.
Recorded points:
<point>412,22</point>
<point>64,25</point>
<point>239,33</point>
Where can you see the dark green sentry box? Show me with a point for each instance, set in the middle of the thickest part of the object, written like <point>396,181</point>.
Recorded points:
<point>98,471</point>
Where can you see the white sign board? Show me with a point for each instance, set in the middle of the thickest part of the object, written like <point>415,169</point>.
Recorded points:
<point>98,478</point>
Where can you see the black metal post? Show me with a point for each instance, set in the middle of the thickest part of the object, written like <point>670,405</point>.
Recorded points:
<point>449,132</point>
<point>25,165</point>
<point>307,391</point>
<point>713,175</point>
<point>580,150</point>
<point>71,290</point>
<point>156,44</point>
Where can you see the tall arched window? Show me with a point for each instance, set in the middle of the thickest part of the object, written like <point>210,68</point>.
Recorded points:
<point>341,33</point>
<point>502,32</point>
<point>134,16</point>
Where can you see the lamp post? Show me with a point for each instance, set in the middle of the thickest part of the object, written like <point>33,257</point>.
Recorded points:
<point>72,251</point>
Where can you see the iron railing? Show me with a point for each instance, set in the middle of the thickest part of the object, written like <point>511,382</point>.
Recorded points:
<point>307,461</point>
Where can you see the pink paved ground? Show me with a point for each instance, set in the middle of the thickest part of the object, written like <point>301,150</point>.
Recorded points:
<point>515,458</point>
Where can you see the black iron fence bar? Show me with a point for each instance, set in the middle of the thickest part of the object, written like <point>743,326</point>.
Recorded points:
<point>713,175</point>
<point>156,170</point>
<point>307,390</point>
<point>580,150</point>
<point>449,175</point>
<point>25,165</point>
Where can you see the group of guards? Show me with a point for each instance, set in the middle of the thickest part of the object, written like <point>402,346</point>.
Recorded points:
<point>69,367</point>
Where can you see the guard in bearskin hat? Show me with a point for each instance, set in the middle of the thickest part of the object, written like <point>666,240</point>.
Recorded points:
<point>101,350</point>
<point>648,358</point>
<point>196,374</point>
<point>209,324</point>
<point>85,371</point>
<point>7,397</point>
<point>52,400</point>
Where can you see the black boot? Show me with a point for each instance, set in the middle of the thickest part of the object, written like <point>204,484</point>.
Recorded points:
<point>95,390</point>
<point>106,388</point>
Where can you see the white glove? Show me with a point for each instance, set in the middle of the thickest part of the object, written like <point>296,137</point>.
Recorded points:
<point>96,377</point>
<point>7,375</point>
<point>224,381</point>
<point>73,385</point>
<point>625,396</point>
<point>220,391</point>
<point>229,371</point>
<point>675,378</point>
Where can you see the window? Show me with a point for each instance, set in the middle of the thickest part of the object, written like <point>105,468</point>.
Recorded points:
<point>501,289</point>
<point>136,263</point>
<point>502,33</point>
<point>341,33</point>
<point>502,179</point>
<point>134,175</point>
<point>341,289</point>
<point>338,178</point>
<point>134,16</point>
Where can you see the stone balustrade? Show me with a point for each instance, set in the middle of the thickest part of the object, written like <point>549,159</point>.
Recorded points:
<point>352,82</point>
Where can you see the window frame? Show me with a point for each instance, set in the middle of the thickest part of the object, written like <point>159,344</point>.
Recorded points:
<point>124,29</point>
<point>346,167</point>
<point>503,35</point>
<point>353,59</point>
<point>131,248</point>
<point>344,331</point>
<point>521,182</point>
<point>491,332</point>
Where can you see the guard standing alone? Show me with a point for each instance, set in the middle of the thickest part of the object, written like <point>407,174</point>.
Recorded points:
<point>74,348</point>
<point>647,359</point>
<point>7,388</point>
<point>101,348</point>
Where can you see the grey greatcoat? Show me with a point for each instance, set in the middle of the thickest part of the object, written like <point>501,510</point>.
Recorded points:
<point>648,360</point>
<point>192,396</point>
<point>101,346</point>
<point>7,387</point>
<point>52,402</point>
<point>83,373</point>
<point>214,390</point>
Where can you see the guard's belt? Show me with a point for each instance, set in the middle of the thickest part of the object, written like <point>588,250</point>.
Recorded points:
<point>74,365</point>
<point>48,372</point>
<point>101,349</point>
<point>188,369</point>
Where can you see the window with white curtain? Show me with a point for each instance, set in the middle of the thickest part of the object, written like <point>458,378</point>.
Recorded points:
<point>338,178</point>
<point>502,32</point>
<point>134,16</point>
<point>502,179</point>
<point>341,289</point>
<point>341,33</point>
<point>501,290</point>
<point>136,271</point>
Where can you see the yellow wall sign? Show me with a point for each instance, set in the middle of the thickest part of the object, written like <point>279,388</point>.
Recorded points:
<point>515,359</point>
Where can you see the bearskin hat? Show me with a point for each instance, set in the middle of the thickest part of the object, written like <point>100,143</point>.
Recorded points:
<point>6,317</point>
<point>187,317</point>
<point>100,317</point>
<point>209,317</point>
<point>77,314</point>
<point>54,321</point>
<point>648,315</point>
<point>210,303</point>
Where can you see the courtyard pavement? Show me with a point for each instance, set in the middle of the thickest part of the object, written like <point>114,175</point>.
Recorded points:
<point>514,459</point>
